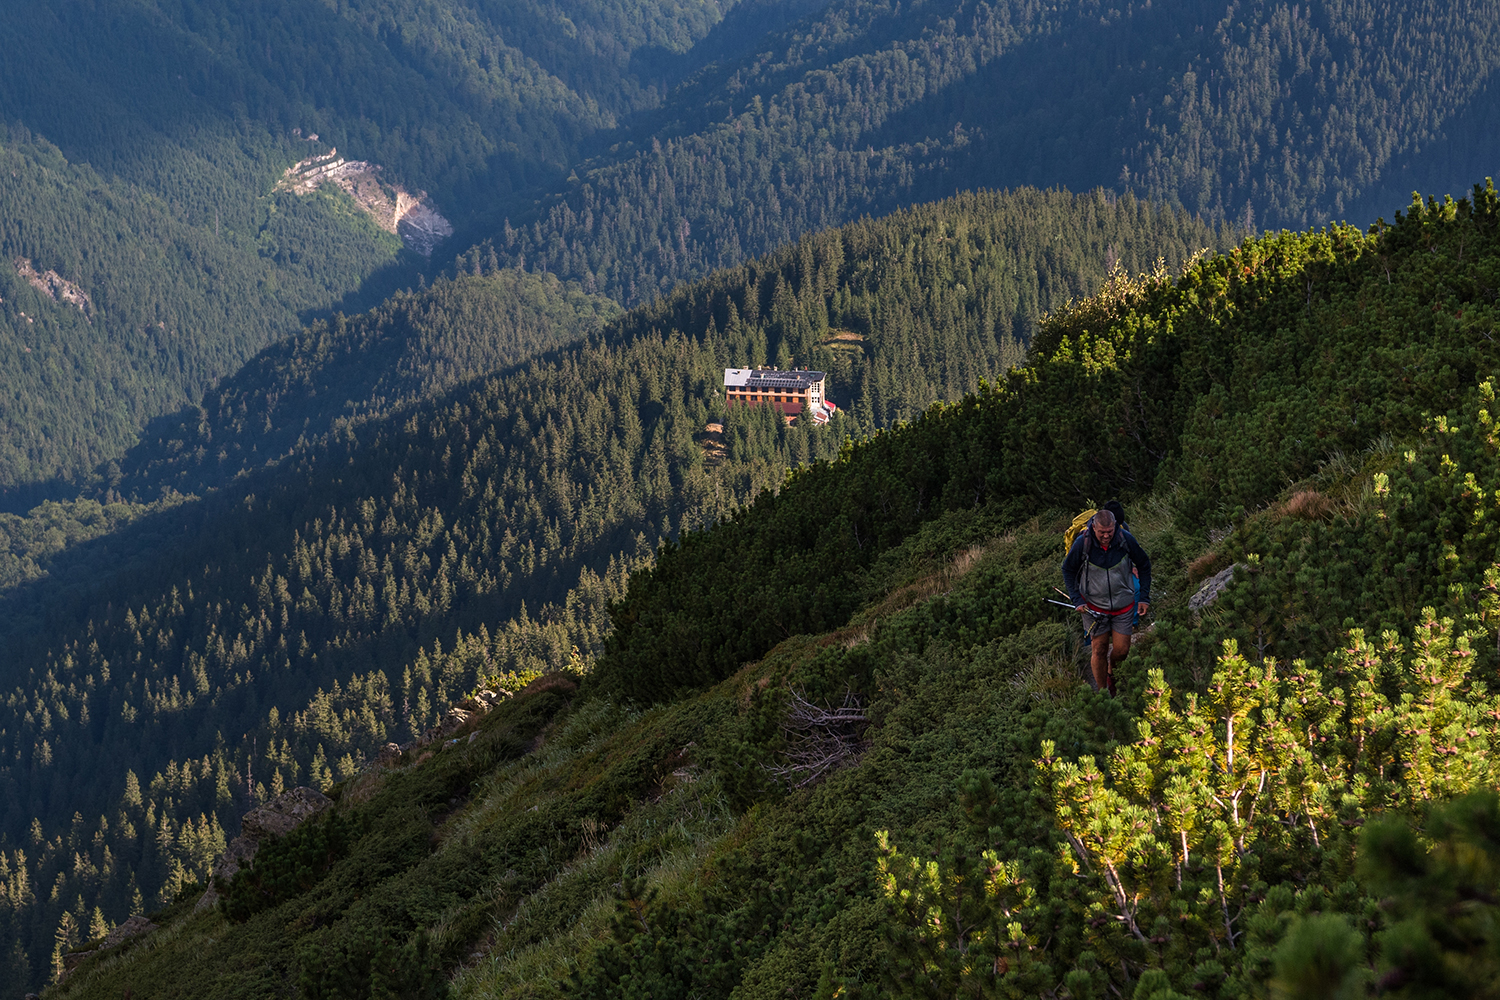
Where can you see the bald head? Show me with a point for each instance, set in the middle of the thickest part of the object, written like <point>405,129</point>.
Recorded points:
<point>1105,519</point>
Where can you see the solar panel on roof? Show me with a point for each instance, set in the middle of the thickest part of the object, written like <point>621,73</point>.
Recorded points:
<point>760,380</point>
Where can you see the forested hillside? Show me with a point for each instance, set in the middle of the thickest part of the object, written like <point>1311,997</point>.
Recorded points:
<point>751,124</point>
<point>306,490</point>
<point>1264,115</point>
<point>630,147</point>
<point>141,143</point>
<point>375,527</point>
<point>341,373</point>
<point>838,744</point>
<point>162,303</point>
<point>466,100</point>
<point>829,303</point>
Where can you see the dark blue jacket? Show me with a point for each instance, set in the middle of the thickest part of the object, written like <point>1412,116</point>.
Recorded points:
<point>1086,558</point>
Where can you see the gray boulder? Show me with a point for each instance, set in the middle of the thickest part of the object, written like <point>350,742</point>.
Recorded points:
<point>276,818</point>
<point>1212,588</point>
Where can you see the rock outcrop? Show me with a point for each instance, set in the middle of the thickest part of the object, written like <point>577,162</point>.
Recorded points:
<point>54,286</point>
<point>410,216</point>
<point>276,818</point>
<point>456,718</point>
<point>134,927</point>
<point>1212,588</point>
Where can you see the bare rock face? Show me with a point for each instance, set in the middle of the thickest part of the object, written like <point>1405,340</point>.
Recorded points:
<point>419,225</point>
<point>236,856</point>
<point>276,818</point>
<point>411,216</point>
<point>1212,588</point>
<point>134,927</point>
<point>452,721</point>
<point>56,287</point>
<point>283,814</point>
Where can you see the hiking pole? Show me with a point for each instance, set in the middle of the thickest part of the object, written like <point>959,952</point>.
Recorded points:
<point>1097,616</point>
<point>1098,619</point>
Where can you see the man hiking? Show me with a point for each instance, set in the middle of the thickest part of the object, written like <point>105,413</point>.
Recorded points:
<point>1098,574</point>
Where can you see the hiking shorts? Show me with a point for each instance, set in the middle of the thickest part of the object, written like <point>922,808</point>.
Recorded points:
<point>1123,624</point>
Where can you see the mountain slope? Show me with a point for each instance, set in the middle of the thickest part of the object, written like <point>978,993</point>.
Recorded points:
<point>302,614</point>
<point>119,306</point>
<point>1264,115</point>
<point>1017,255</point>
<point>336,375</point>
<point>630,147</point>
<point>174,123</point>
<point>582,844</point>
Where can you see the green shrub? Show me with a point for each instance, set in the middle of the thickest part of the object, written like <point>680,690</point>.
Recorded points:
<point>288,866</point>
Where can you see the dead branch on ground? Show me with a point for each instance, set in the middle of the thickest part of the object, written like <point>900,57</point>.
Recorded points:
<point>820,739</point>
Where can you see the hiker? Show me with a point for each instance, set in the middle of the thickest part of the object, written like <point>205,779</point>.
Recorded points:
<point>1100,574</point>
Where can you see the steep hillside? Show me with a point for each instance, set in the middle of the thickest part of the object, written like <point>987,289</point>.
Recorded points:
<point>629,147</point>
<point>838,744</point>
<point>117,304</point>
<point>1262,115</point>
<point>294,617</point>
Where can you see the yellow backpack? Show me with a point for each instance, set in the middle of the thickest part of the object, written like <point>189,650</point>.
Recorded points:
<point>1079,524</point>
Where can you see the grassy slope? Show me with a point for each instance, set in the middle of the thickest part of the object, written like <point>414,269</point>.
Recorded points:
<point>726,883</point>
<point>619,793</point>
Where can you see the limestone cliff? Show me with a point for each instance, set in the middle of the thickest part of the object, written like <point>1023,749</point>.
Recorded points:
<point>54,286</point>
<point>410,216</point>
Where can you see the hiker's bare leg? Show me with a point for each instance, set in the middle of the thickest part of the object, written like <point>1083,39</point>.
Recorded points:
<point>1099,661</point>
<point>1107,652</point>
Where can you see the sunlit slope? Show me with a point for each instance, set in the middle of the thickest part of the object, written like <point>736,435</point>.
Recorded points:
<point>302,614</point>
<point>585,844</point>
<point>1247,373</point>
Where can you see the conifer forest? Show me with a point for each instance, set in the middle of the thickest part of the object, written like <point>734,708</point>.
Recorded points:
<point>393,606</point>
